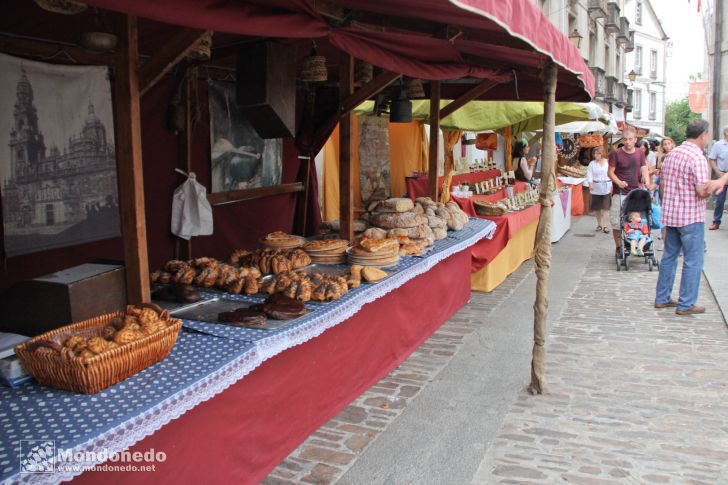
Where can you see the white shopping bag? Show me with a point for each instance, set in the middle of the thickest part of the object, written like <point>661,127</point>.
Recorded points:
<point>191,212</point>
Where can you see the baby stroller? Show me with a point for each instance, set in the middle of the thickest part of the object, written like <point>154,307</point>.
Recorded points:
<point>638,200</point>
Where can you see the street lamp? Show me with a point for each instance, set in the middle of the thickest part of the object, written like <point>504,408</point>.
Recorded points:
<point>575,38</point>
<point>632,75</point>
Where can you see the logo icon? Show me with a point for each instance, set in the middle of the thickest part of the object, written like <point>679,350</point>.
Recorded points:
<point>37,456</point>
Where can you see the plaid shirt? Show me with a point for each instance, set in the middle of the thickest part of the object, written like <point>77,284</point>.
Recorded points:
<point>684,168</point>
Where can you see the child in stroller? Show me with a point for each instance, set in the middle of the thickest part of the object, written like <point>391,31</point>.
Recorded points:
<point>637,233</point>
<point>636,237</point>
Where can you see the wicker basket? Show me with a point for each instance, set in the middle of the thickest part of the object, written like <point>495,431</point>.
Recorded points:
<point>487,209</point>
<point>92,375</point>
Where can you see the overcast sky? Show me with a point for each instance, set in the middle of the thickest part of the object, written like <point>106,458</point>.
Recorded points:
<point>684,26</point>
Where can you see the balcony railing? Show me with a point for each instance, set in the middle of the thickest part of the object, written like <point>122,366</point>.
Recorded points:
<point>611,96</point>
<point>623,34</point>
<point>611,24</point>
<point>600,82</point>
<point>597,9</point>
<point>629,46</point>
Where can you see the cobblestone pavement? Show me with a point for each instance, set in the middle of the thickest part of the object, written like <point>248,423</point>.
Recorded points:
<point>329,452</point>
<point>638,395</point>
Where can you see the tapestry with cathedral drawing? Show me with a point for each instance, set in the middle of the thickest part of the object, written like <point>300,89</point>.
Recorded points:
<point>57,157</point>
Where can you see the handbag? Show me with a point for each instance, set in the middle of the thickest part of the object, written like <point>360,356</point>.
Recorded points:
<point>191,211</point>
<point>591,141</point>
<point>486,141</point>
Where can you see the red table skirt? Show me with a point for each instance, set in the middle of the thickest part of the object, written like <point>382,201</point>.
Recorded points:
<point>484,251</point>
<point>244,432</point>
<point>418,186</point>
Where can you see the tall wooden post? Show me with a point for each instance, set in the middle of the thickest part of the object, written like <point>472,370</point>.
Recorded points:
<point>508,135</point>
<point>127,127</point>
<point>346,148</point>
<point>543,233</point>
<point>184,162</point>
<point>434,139</point>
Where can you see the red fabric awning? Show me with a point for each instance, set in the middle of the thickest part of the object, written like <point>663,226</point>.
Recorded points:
<point>503,39</point>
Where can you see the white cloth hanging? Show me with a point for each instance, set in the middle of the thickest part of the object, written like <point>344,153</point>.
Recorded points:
<point>191,211</point>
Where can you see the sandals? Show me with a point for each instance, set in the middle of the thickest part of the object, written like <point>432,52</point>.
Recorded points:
<point>598,229</point>
<point>606,230</point>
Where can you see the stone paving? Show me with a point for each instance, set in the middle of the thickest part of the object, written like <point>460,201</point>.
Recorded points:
<point>329,452</point>
<point>638,395</point>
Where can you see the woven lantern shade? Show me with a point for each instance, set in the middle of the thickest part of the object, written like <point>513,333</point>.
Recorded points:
<point>65,7</point>
<point>363,73</point>
<point>313,67</point>
<point>203,50</point>
<point>414,88</point>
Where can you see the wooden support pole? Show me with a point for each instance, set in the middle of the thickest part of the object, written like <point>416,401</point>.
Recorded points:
<point>127,127</point>
<point>184,162</point>
<point>166,57</point>
<point>434,139</point>
<point>346,147</point>
<point>467,97</point>
<point>543,233</point>
<point>508,135</point>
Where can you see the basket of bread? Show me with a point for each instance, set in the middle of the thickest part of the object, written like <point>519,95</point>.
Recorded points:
<point>89,356</point>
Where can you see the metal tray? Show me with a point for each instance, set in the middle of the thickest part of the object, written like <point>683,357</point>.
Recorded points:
<point>207,311</point>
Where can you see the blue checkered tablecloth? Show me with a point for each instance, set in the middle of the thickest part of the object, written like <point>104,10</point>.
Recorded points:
<point>206,359</point>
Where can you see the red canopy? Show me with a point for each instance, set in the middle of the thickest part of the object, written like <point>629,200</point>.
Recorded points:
<point>428,39</point>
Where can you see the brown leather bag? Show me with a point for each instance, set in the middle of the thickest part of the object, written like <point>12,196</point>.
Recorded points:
<point>486,141</point>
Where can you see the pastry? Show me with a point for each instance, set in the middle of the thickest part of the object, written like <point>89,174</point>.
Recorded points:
<point>373,274</point>
<point>243,316</point>
<point>281,307</point>
<point>379,245</point>
<point>326,245</point>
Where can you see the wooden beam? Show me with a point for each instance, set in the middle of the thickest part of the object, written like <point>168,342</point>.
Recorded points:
<point>434,139</point>
<point>508,136</point>
<point>176,48</point>
<point>346,147</point>
<point>53,52</point>
<point>365,92</point>
<point>220,198</point>
<point>127,127</point>
<point>467,97</point>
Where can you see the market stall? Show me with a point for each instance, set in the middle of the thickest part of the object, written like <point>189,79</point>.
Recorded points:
<point>252,395</point>
<point>417,184</point>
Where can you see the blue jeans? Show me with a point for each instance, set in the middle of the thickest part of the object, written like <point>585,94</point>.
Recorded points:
<point>691,240</point>
<point>719,204</point>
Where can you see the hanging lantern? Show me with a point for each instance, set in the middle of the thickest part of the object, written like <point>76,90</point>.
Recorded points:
<point>363,73</point>
<point>313,67</point>
<point>65,7</point>
<point>203,50</point>
<point>414,88</point>
<point>400,110</point>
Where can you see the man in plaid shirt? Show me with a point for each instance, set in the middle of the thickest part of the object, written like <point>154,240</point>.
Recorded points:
<point>686,186</point>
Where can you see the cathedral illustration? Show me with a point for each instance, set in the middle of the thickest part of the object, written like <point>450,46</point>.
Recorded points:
<point>49,190</point>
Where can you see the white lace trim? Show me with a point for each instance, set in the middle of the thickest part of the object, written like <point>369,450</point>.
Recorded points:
<point>134,430</point>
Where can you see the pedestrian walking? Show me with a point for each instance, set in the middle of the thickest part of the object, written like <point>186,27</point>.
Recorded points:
<point>686,186</point>
<point>719,163</point>
<point>600,188</point>
<point>627,168</point>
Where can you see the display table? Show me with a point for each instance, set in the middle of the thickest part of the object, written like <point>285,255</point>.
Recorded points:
<point>417,186</point>
<point>230,408</point>
<point>561,219</point>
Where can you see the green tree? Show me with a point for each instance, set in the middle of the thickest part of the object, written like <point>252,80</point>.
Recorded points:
<point>677,117</point>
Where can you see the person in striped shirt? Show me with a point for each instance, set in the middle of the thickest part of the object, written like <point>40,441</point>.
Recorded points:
<point>686,186</point>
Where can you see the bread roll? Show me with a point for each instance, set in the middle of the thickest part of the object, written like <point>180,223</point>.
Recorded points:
<point>394,220</point>
<point>394,205</point>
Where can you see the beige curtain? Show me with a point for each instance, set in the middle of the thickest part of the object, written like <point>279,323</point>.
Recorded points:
<point>451,138</point>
